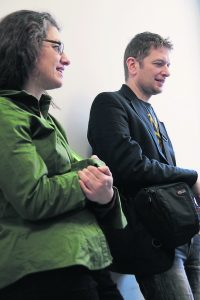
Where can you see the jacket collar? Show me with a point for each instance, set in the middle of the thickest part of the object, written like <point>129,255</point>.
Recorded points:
<point>138,107</point>
<point>28,102</point>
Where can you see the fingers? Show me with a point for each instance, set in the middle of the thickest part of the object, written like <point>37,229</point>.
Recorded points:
<point>105,170</point>
<point>84,187</point>
<point>196,188</point>
<point>94,157</point>
<point>96,183</point>
<point>96,173</point>
<point>92,177</point>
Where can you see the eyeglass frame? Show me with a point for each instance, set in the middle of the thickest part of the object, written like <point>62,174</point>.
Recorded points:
<point>60,44</point>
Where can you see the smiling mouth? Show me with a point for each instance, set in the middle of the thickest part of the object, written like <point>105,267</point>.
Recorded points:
<point>61,70</point>
<point>160,81</point>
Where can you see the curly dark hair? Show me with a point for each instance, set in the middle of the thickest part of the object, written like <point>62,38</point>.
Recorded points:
<point>21,35</point>
<point>141,44</point>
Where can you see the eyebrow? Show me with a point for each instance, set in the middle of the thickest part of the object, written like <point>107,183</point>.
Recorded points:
<point>53,41</point>
<point>161,61</point>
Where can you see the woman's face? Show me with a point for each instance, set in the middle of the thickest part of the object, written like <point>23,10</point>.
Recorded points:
<point>50,65</point>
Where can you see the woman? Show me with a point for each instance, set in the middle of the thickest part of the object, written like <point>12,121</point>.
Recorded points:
<point>50,199</point>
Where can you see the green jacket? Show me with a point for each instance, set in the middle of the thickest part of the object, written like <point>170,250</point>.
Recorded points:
<point>45,219</point>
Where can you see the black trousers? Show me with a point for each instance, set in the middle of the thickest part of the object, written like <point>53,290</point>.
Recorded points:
<point>73,283</point>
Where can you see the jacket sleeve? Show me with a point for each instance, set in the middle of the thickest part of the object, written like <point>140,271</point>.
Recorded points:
<point>111,136</point>
<point>24,179</point>
<point>110,214</point>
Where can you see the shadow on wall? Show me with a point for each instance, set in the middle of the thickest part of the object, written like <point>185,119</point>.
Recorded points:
<point>198,4</point>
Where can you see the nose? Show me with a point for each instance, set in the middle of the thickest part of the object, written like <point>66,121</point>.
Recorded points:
<point>166,71</point>
<point>64,59</point>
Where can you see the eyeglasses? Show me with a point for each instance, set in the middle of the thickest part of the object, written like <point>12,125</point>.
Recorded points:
<point>59,46</point>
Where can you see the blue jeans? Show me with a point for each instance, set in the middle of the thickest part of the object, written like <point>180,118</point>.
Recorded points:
<point>181,281</point>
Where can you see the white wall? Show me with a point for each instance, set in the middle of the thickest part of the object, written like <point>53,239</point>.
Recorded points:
<point>95,33</point>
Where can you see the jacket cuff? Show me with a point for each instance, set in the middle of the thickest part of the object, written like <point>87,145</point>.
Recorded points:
<point>101,210</point>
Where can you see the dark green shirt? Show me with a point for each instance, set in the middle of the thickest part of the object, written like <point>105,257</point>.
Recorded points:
<point>45,222</point>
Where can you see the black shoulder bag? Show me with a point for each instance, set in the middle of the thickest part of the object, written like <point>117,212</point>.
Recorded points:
<point>169,212</point>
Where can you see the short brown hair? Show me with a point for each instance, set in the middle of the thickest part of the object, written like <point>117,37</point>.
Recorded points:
<point>141,44</point>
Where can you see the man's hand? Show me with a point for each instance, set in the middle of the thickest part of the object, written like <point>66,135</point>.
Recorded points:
<point>196,188</point>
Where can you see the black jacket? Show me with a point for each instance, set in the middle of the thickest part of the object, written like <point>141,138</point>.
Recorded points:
<point>121,134</point>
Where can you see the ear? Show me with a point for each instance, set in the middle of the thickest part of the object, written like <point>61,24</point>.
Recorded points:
<point>132,65</point>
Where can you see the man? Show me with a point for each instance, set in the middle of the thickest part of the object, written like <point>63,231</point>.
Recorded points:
<point>125,132</point>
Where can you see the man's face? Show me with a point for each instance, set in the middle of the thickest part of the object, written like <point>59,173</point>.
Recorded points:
<point>152,72</point>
